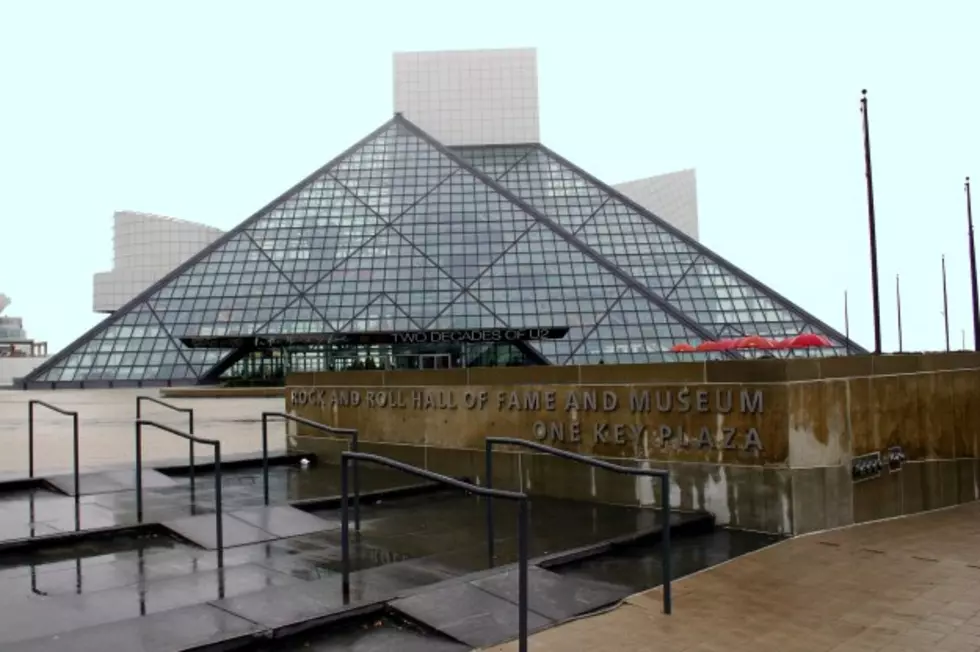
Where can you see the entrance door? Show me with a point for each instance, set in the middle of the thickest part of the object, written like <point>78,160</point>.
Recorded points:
<point>435,361</point>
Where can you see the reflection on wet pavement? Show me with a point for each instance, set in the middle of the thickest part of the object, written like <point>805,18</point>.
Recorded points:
<point>29,513</point>
<point>94,586</point>
<point>372,634</point>
<point>638,567</point>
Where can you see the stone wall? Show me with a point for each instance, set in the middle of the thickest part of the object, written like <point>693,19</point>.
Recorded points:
<point>764,445</point>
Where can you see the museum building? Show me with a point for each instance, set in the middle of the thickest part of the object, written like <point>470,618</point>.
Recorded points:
<point>405,253</point>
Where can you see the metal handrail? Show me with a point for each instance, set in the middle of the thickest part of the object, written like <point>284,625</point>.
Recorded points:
<point>217,475</point>
<point>190,429</point>
<point>599,464</point>
<point>322,427</point>
<point>74,436</point>
<point>522,532</point>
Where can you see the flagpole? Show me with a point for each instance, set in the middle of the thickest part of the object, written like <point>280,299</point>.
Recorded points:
<point>872,236</point>
<point>945,304</point>
<point>898,303</point>
<point>973,270</point>
<point>847,326</point>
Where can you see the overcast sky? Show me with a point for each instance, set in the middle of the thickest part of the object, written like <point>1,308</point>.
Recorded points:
<point>207,110</point>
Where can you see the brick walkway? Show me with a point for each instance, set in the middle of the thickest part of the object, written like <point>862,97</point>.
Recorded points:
<point>911,584</point>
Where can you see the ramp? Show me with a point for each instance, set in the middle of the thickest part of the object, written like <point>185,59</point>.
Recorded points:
<point>247,526</point>
<point>483,612</point>
<point>107,482</point>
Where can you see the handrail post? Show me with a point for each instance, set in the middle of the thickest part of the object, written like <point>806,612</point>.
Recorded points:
<point>78,486</point>
<point>30,438</point>
<point>344,534</point>
<point>522,554</point>
<point>217,505</point>
<point>190,452</point>
<point>665,539</point>
<point>489,499</point>
<point>357,485</point>
<point>523,524</point>
<point>265,457</point>
<point>664,476</point>
<point>139,470</point>
<point>344,432</point>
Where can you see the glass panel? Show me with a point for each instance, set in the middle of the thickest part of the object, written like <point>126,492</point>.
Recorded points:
<point>493,161</point>
<point>313,231</point>
<point>298,317</point>
<point>464,225</point>
<point>637,246</point>
<point>543,281</point>
<point>390,264</point>
<point>392,171</point>
<point>232,291</point>
<point>465,312</point>
<point>634,331</point>
<point>560,193</point>
<point>380,315</point>
<point>138,329</point>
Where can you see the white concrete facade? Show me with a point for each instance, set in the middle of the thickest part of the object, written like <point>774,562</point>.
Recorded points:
<point>11,368</point>
<point>473,97</point>
<point>672,197</point>
<point>146,248</point>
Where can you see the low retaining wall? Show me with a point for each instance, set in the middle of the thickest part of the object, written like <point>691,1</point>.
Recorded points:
<point>767,445</point>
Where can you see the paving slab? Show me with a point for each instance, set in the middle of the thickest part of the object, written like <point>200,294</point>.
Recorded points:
<point>152,479</point>
<point>375,634</point>
<point>27,517</point>
<point>284,521</point>
<point>104,482</point>
<point>17,531</point>
<point>281,606</point>
<point>278,607</point>
<point>90,483</point>
<point>552,595</point>
<point>169,631</point>
<point>468,614</point>
<point>202,531</point>
<point>38,617</point>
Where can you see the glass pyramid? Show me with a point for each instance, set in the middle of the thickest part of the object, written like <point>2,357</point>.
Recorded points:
<point>401,234</point>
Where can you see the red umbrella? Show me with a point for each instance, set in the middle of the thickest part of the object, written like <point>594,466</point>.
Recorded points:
<point>712,346</point>
<point>807,340</point>
<point>683,347</point>
<point>783,344</point>
<point>754,342</point>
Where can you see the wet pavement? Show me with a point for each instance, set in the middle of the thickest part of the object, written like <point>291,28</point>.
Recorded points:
<point>28,513</point>
<point>150,591</point>
<point>375,633</point>
<point>639,567</point>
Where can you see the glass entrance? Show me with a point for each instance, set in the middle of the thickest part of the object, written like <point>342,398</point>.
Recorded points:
<point>435,361</point>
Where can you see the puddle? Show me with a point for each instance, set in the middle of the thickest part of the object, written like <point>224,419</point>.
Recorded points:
<point>38,557</point>
<point>378,633</point>
<point>638,567</point>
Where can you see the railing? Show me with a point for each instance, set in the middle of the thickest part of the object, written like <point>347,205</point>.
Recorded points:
<point>330,430</point>
<point>522,532</point>
<point>217,475</point>
<point>190,430</point>
<point>74,436</point>
<point>600,464</point>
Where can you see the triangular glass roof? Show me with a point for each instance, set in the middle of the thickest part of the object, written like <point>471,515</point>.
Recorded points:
<point>401,234</point>
<point>719,297</point>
